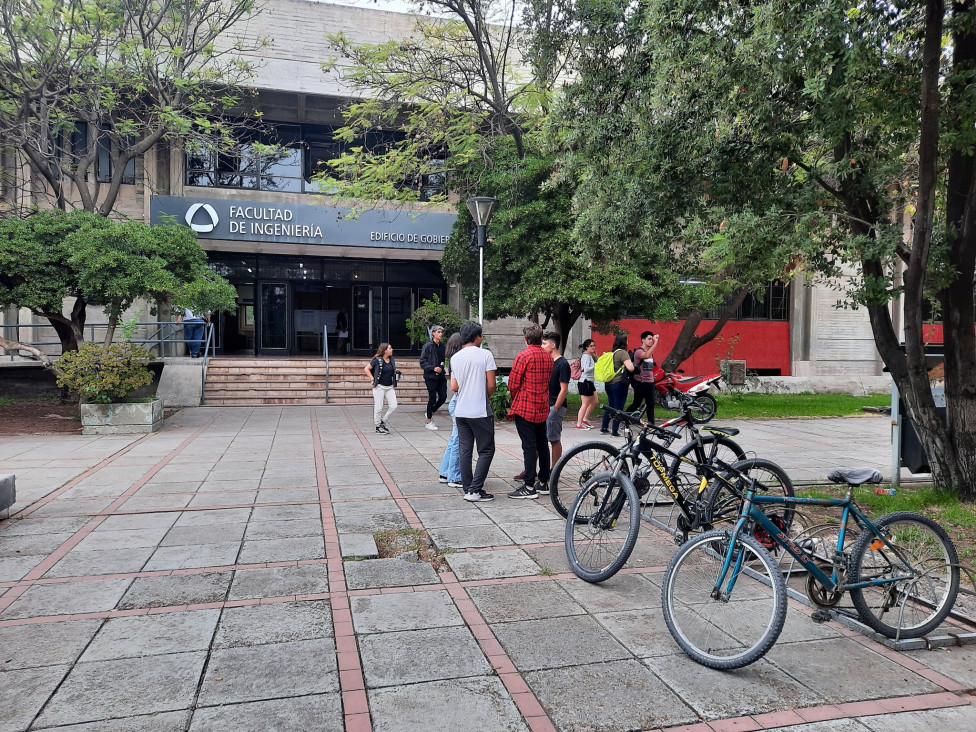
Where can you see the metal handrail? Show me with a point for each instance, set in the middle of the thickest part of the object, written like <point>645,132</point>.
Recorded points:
<point>203,366</point>
<point>157,339</point>
<point>325,355</point>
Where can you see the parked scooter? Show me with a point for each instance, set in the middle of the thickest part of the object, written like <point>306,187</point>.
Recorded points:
<point>675,392</point>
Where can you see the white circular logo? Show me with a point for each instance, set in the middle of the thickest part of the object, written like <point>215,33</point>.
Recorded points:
<point>202,228</point>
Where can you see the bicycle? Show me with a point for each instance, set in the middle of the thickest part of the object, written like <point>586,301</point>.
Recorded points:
<point>596,545</point>
<point>724,597</point>
<point>581,462</point>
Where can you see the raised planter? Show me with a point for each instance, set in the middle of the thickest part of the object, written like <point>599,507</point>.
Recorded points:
<point>123,418</point>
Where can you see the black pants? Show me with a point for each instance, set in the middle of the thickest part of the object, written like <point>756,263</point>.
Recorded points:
<point>643,394</point>
<point>534,445</point>
<point>482,431</point>
<point>436,393</point>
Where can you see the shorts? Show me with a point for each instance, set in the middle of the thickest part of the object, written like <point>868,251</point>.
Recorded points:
<point>586,388</point>
<point>554,423</point>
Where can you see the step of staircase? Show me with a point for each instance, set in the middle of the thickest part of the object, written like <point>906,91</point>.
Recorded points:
<point>248,382</point>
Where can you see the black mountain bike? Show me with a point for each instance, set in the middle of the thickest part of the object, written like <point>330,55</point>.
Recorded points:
<point>604,518</point>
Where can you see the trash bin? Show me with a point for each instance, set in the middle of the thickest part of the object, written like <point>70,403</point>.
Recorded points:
<point>912,454</point>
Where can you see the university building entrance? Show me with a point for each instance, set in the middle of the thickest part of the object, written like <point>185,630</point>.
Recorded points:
<point>285,303</point>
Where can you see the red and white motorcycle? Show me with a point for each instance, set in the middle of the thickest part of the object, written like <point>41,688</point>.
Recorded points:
<point>674,392</point>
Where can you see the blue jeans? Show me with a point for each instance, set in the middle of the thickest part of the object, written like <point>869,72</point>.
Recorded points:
<point>616,398</point>
<point>451,462</point>
<point>193,334</point>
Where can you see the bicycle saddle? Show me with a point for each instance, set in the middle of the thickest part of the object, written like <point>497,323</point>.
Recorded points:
<point>727,431</point>
<point>855,476</point>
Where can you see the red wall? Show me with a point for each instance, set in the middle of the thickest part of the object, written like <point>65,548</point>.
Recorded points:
<point>763,344</point>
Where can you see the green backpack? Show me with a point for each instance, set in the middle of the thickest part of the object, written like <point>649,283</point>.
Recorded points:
<point>603,369</point>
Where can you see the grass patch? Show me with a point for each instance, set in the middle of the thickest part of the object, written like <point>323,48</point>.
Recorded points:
<point>392,542</point>
<point>4,401</point>
<point>765,406</point>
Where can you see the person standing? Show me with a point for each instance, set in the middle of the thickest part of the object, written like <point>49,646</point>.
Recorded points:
<point>382,370</point>
<point>587,385</point>
<point>644,376</point>
<point>473,378</point>
<point>618,386</point>
<point>450,471</point>
<point>342,331</point>
<point>528,384</point>
<point>192,330</point>
<point>558,388</point>
<point>432,362</point>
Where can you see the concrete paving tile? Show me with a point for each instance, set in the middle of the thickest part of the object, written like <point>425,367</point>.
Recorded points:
<point>230,486</point>
<point>492,564</point>
<point>620,592</point>
<point>755,689</point>
<point>279,581</point>
<point>148,592</point>
<point>404,611</point>
<point>14,568</point>
<point>138,521</point>
<point>427,489</point>
<point>156,502</point>
<point>552,559</point>
<point>23,692</point>
<point>523,601</point>
<point>279,622</point>
<point>100,540</point>
<point>951,718</point>
<point>67,598</point>
<point>462,516</point>
<point>62,643</point>
<point>153,635</point>
<point>106,561</point>
<point>319,712</point>
<point>209,500</point>
<point>847,681</point>
<point>361,546</point>
<point>512,511</point>
<point>440,503</point>
<point>271,481</point>
<point>259,530</point>
<point>87,506</point>
<point>285,513</point>
<point>955,663</point>
<point>193,556</point>
<point>216,534</point>
<point>538,644</point>
<point>156,488</point>
<point>270,671</point>
<point>354,492</point>
<point>394,572</point>
<point>13,546</point>
<point>339,477</point>
<point>643,632</point>
<point>125,687</point>
<point>282,550</point>
<point>535,532</point>
<point>411,656</point>
<point>217,516</point>
<point>799,628</point>
<point>31,526</point>
<point>287,495</point>
<point>468,537</point>
<point>474,704</point>
<point>369,521</point>
<point>165,722</point>
<point>607,697</point>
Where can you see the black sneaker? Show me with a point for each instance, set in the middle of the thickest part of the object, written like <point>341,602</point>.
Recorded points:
<point>382,430</point>
<point>478,497</point>
<point>441,478</point>
<point>526,491</point>
<point>604,431</point>
<point>542,488</point>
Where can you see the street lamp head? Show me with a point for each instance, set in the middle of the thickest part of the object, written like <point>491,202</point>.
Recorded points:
<point>482,208</point>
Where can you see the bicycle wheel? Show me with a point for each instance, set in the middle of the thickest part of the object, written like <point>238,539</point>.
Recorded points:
<point>703,407</point>
<point>927,573</point>
<point>724,498</point>
<point>603,525</point>
<point>575,468</point>
<point>727,629</point>
<point>690,454</point>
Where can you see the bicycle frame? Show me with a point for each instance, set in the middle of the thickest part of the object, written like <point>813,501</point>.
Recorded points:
<point>832,582</point>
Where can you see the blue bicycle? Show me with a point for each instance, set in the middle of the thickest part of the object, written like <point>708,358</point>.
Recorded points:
<point>724,596</point>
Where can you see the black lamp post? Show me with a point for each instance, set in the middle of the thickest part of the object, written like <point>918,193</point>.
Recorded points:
<point>481,208</point>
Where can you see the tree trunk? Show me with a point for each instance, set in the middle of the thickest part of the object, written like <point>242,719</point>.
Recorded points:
<point>113,322</point>
<point>563,320</point>
<point>34,352</point>
<point>688,342</point>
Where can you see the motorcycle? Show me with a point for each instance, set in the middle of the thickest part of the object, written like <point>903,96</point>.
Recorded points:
<point>676,393</point>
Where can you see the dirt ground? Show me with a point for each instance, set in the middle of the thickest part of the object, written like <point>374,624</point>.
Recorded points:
<point>38,417</point>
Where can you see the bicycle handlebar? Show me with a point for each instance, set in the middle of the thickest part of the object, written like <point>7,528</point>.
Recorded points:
<point>635,419</point>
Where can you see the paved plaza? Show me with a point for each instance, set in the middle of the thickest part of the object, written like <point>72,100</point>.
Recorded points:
<point>194,579</point>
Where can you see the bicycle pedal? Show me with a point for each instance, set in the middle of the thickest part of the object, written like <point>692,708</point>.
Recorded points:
<point>821,616</point>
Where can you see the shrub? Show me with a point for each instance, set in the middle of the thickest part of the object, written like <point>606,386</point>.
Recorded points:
<point>105,374</point>
<point>501,400</point>
<point>433,312</point>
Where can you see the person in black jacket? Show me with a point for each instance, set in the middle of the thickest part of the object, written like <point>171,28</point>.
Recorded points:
<point>432,362</point>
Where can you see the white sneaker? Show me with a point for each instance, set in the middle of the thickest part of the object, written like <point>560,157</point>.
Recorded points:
<point>452,484</point>
<point>431,426</point>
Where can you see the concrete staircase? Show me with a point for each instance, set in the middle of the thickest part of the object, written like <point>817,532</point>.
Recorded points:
<point>248,382</point>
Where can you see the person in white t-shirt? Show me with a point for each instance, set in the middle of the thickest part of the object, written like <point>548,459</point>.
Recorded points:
<point>473,378</point>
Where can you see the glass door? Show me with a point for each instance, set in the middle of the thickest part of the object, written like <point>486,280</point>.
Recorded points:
<point>400,302</point>
<point>273,323</point>
<point>367,317</point>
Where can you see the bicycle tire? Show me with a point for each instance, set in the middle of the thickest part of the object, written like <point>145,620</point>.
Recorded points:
<point>734,630</point>
<point>598,545</point>
<point>728,452</point>
<point>724,502</point>
<point>576,466</point>
<point>703,407</point>
<point>929,588</point>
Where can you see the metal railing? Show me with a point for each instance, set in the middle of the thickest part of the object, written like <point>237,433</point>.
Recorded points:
<point>325,355</point>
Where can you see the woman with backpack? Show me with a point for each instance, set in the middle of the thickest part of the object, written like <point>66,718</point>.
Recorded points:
<point>586,385</point>
<point>382,370</point>
<point>619,384</point>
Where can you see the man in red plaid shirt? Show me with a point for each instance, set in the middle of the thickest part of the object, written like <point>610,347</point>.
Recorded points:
<point>529,385</point>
